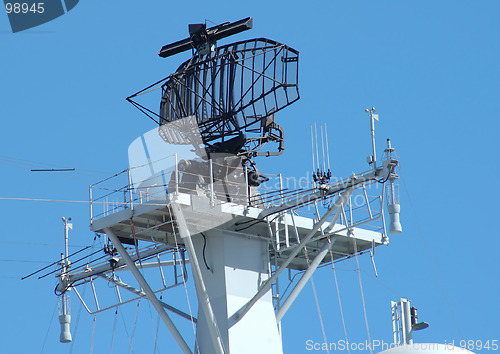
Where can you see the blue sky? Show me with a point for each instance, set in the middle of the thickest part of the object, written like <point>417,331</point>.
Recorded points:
<point>430,69</point>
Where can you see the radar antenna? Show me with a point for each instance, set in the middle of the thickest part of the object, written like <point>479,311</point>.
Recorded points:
<point>232,91</point>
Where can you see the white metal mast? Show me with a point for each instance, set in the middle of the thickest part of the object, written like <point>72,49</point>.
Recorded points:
<point>239,238</point>
<point>231,264</point>
<point>405,321</point>
<point>373,117</point>
<point>65,309</point>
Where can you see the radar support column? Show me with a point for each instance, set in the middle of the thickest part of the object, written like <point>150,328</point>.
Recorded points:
<point>203,296</point>
<point>229,268</point>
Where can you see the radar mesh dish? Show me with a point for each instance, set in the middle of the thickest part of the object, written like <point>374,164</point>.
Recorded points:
<point>233,88</point>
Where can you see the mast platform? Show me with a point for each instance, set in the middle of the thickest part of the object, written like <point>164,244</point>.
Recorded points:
<point>154,221</point>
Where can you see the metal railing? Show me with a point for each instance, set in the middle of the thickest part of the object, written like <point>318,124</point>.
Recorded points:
<point>225,181</point>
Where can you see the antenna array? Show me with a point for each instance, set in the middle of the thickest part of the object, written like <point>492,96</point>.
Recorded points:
<point>321,170</point>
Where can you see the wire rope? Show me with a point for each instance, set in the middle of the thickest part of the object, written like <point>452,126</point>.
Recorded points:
<point>114,331</point>
<point>80,306</point>
<point>131,349</point>
<point>319,314</point>
<point>125,325</point>
<point>317,304</point>
<point>361,289</point>
<point>48,329</point>
<point>77,320</point>
<point>53,263</point>
<point>93,335</point>
<point>153,324</point>
<point>156,333</point>
<point>434,266</point>
<point>340,301</point>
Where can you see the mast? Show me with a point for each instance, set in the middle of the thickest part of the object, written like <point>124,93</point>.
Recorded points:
<point>203,195</point>
<point>65,309</point>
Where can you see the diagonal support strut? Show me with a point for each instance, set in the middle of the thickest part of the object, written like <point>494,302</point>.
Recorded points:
<point>149,292</point>
<point>238,315</point>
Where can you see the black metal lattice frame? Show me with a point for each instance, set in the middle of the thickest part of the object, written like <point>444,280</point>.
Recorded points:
<point>229,90</point>
<point>233,88</point>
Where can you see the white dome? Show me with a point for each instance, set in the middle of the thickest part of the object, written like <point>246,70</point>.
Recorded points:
<point>425,348</point>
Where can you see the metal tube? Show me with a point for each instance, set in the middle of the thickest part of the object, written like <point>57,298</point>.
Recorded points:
<point>317,153</point>
<point>277,234</point>
<point>63,298</point>
<point>327,152</point>
<point>130,188</point>
<point>118,294</point>
<point>383,217</point>
<point>304,279</point>
<point>151,265</point>
<point>212,203</point>
<point>72,278</point>
<point>323,149</point>
<point>147,289</point>
<point>351,222</point>
<point>82,301</point>
<point>176,175</point>
<point>175,267</point>
<point>247,187</point>
<point>142,294</point>
<point>123,302</point>
<point>161,271</point>
<point>393,194</point>
<point>372,122</point>
<point>65,261</point>
<point>295,226</point>
<point>312,146</point>
<point>317,215</point>
<point>287,238</point>
<point>65,266</point>
<point>406,321</point>
<point>283,216</point>
<point>281,187</point>
<point>95,294</point>
<point>368,202</point>
<point>204,300</point>
<point>394,321</point>
<point>90,204</point>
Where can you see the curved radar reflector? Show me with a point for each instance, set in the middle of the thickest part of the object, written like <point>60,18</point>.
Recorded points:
<point>233,88</point>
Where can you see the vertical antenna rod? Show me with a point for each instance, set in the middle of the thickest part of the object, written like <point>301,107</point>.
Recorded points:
<point>373,117</point>
<point>327,152</point>
<point>317,153</point>
<point>64,311</point>
<point>312,149</point>
<point>323,149</point>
